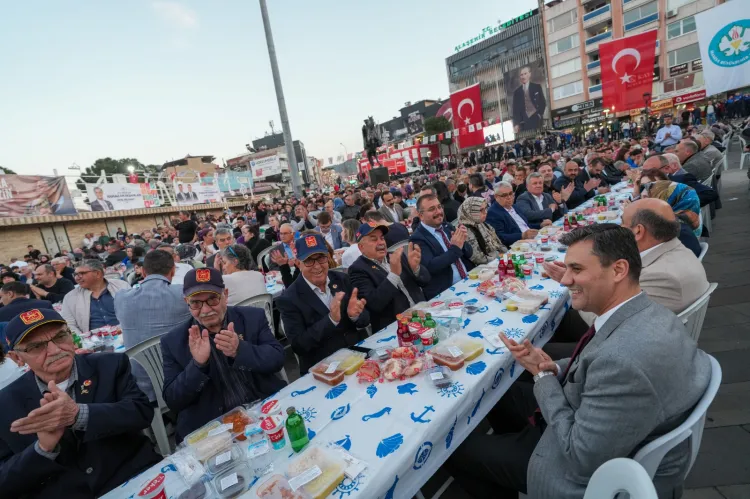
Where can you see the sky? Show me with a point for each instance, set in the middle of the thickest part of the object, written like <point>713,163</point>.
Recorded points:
<point>157,80</point>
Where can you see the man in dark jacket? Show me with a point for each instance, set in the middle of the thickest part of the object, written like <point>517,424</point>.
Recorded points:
<point>116,253</point>
<point>390,287</point>
<point>445,252</point>
<point>510,224</point>
<point>528,103</point>
<point>221,358</point>
<point>15,299</point>
<point>349,210</point>
<point>72,425</point>
<point>396,232</point>
<point>321,312</point>
<point>580,193</point>
<point>49,287</point>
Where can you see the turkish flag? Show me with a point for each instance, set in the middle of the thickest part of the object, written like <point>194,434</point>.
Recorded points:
<point>467,110</point>
<point>628,71</point>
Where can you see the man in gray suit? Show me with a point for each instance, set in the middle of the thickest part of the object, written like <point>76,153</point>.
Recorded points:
<point>391,211</point>
<point>635,375</point>
<point>537,205</point>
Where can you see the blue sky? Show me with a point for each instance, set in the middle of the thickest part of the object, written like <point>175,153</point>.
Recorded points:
<point>157,80</point>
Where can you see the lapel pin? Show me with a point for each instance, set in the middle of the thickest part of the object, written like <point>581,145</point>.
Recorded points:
<point>84,386</point>
<point>241,337</point>
<point>334,286</point>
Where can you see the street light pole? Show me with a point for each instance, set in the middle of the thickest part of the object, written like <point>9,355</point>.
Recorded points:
<point>291,158</point>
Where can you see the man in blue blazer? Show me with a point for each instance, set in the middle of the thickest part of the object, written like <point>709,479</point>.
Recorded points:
<point>320,310</point>
<point>331,233</point>
<point>72,426</point>
<point>390,286</point>
<point>221,358</point>
<point>445,252</point>
<point>538,206</point>
<point>509,224</point>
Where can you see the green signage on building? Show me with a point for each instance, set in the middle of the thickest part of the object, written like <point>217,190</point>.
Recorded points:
<point>489,30</point>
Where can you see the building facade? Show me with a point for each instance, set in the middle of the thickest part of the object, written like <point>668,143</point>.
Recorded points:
<point>574,30</point>
<point>491,56</point>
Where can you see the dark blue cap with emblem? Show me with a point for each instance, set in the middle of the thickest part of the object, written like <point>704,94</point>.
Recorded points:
<point>310,244</point>
<point>25,322</point>
<point>206,280</point>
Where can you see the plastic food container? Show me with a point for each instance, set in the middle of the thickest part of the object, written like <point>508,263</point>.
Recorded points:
<point>404,353</point>
<point>197,491</point>
<point>329,464</point>
<point>273,426</point>
<point>239,419</point>
<point>224,460</point>
<point>379,354</point>
<point>233,482</point>
<point>270,407</point>
<point>348,360</point>
<point>188,466</point>
<point>211,445</point>
<point>471,348</point>
<point>440,376</point>
<point>277,487</point>
<point>328,372</point>
<point>201,432</point>
<point>452,359</point>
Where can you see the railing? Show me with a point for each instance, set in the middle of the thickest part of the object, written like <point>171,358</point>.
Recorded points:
<point>597,12</point>
<point>640,22</point>
<point>598,38</point>
<point>595,88</point>
<point>593,65</point>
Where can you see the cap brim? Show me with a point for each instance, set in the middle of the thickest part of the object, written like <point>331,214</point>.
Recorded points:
<point>34,327</point>
<point>315,252</point>
<point>203,288</point>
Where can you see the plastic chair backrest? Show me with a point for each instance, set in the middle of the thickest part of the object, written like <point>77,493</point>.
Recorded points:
<point>617,476</point>
<point>704,250</point>
<point>396,246</point>
<point>264,301</point>
<point>262,255</point>
<point>651,455</point>
<point>693,316</point>
<point>148,355</point>
<point>710,180</point>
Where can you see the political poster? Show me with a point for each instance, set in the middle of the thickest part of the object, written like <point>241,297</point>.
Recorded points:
<point>526,87</point>
<point>724,40</point>
<point>111,197</point>
<point>267,166</point>
<point>187,194</point>
<point>33,195</point>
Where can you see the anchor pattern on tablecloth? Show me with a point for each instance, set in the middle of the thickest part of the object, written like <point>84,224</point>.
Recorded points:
<point>420,418</point>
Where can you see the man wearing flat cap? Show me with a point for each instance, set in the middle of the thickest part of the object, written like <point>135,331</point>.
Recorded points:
<point>321,311</point>
<point>221,358</point>
<point>392,285</point>
<point>71,426</point>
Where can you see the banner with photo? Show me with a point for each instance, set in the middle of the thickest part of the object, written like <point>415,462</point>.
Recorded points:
<point>270,165</point>
<point>33,195</point>
<point>187,194</point>
<point>526,88</point>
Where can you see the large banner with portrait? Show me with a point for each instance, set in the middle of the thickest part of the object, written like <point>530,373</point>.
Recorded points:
<point>187,194</point>
<point>526,90</point>
<point>33,195</point>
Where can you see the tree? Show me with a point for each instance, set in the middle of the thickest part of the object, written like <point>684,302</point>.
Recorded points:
<point>112,166</point>
<point>437,125</point>
<point>7,171</point>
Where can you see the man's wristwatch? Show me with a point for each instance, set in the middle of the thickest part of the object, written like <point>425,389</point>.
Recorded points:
<point>542,374</point>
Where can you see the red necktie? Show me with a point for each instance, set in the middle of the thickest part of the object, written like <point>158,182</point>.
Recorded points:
<point>585,339</point>
<point>459,265</point>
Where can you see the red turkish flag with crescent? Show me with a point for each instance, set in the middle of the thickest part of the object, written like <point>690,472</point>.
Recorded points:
<point>467,110</point>
<point>628,71</point>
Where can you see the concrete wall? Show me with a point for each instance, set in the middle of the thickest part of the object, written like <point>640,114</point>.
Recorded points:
<point>14,241</point>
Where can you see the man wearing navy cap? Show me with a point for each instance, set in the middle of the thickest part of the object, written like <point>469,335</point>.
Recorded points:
<point>221,358</point>
<point>71,426</point>
<point>389,287</point>
<point>321,312</point>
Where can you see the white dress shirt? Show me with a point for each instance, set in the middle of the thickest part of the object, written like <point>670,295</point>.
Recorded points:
<point>518,219</point>
<point>539,200</point>
<point>350,255</point>
<point>326,296</point>
<point>328,236</point>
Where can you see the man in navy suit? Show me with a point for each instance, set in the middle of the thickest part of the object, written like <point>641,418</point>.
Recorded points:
<point>390,287</point>
<point>221,358</point>
<point>15,299</point>
<point>669,164</point>
<point>509,224</point>
<point>71,426</point>
<point>445,252</point>
<point>331,233</point>
<point>321,311</point>
<point>580,192</point>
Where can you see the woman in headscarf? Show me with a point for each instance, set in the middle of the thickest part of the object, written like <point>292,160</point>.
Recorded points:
<point>484,242</point>
<point>684,201</point>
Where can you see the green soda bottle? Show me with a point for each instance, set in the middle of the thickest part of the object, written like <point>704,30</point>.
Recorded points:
<point>430,323</point>
<point>77,341</point>
<point>415,317</point>
<point>295,428</point>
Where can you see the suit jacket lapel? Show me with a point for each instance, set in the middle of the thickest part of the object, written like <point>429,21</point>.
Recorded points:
<point>307,295</point>
<point>510,217</point>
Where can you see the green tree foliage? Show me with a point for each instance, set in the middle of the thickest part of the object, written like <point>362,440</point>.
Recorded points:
<point>8,171</point>
<point>112,166</point>
<point>437,125</point>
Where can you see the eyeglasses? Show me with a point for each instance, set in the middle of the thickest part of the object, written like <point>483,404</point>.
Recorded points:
<point>433,209</point>
<point>507,194</point>
<point>78,275</point>
<point>38,347</point>
<point>198,304</point>
<point>321,260</point>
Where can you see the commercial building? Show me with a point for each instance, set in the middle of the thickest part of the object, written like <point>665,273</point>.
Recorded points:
<point>494,59</point>
<point>574,30</point>
<point>410,121</point>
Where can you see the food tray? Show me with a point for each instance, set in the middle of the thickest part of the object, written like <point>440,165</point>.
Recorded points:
<point>233,482</point>
<point>331,468</point>
<point>349,361</point>
<point>327,372</point>
<point>277,487</point>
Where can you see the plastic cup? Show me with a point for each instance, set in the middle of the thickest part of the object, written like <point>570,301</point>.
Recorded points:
<point>273,427</point>
<point>153,489</point>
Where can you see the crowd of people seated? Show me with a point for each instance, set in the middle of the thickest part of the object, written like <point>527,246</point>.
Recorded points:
<point>352,259</point>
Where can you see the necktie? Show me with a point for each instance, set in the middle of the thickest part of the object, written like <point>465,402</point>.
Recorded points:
<point>585,339</point>
<point>459,265</point>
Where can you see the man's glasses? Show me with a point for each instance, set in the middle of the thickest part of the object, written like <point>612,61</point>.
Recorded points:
<point>79,275</point>
<point>321,260</point>
<point>505,195</point>
<point>38,347</point>
<point>433,209</point>
<point>198,304</point>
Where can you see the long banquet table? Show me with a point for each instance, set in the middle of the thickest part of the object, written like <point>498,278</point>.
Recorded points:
<point>406,430</point>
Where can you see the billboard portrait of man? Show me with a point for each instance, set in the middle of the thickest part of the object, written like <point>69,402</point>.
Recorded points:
<point>190,195</point>
<point>100,204</point>
<point>181,196</point>
<point>529,102</point>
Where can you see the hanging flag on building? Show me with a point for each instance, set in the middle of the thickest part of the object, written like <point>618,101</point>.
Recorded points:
<point>467,111</point>
<point>724,39</point>
<point>627,71</point>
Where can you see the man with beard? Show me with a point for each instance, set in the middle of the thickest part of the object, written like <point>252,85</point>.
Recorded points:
<point>221,358</point>
<point>71,426</point>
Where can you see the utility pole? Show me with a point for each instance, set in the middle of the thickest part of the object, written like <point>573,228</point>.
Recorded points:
<point>291,158</point>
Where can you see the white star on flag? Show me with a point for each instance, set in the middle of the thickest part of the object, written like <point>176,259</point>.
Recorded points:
<point>626,78</point>
<point>468,120</point>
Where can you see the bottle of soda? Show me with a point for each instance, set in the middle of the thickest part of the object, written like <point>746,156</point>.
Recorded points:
<point>404,335</point>
<point>415,317</point>
<point>579,217</point>
<point>566,224</point>
<point>295,428</point>
<point>77,341</point>
<point>430,323</point>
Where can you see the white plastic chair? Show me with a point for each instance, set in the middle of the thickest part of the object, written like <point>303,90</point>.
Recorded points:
<point>706,218</point>
<point>396,246</point>
<point>745,155</point>
<point>262,255</point>
<point>617,476</point>
<point>264,301</point>
<point>693,316</point>
<point>704,250</point>
<point>651,455</point>
<point>148,355</point>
